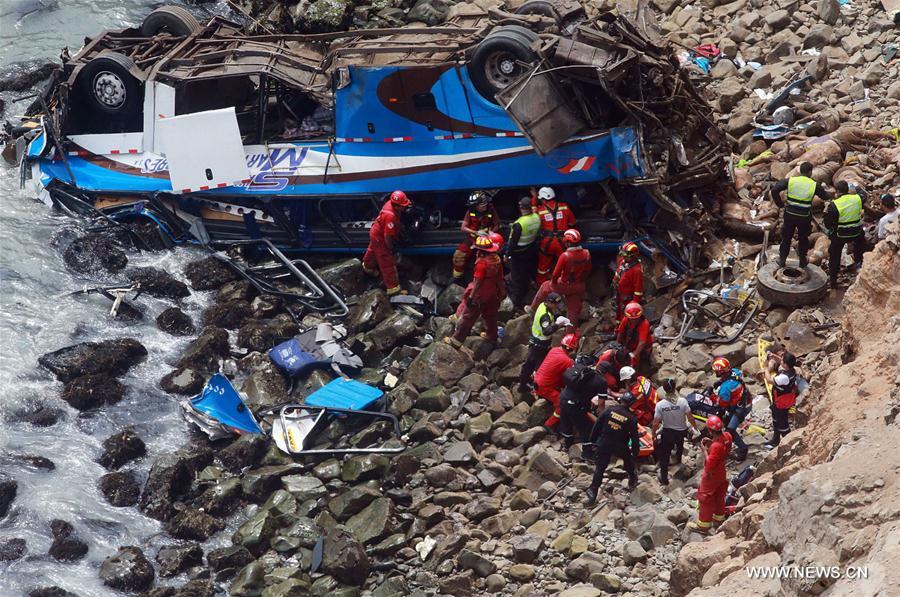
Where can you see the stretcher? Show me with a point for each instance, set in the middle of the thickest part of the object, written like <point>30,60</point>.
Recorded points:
<point>702,406</point>
<point>762,347</point>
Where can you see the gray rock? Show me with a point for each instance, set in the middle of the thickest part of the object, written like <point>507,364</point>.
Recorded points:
<point>178,558</point>
<point>527,547</point>
<point>478,429</point>
<point>127,570</point>
<point>438,365</point>
<point>231,557</point>
<point>448,299</point>
<point>346,275</point>
<point>364,467</point>
<point>352,501</point>
<point>220,499</point>
<point>517,418</point>
<point>778,19</point>
<point>373,522</point>
<point>258,483</point>
<point>205,351</point>
<point>344,558</point>
<point>818,36</point>
<point>392,331</point>
<point>829,11</point>
<point>157,283</point>
<point>304,487</point>
<point>176,322</point>
<point>372,308</point>
<point>436,399</point>
<point>257,531</point>
<point>190,523</point>
<point>633,553</point>
<point>120,489</point>
<point>208,274</point>
<point>469,560</point>
<point>250,581</point>
<point>66,546</point>
<point>95,253</point>
<point>499,524</point>
<point>609,583</point>
<point>582,567</point>
<point>305,531</point>
<point>183,381</point>
<point>169,478</point>
<point>482,507</point>
<point>460,453</point>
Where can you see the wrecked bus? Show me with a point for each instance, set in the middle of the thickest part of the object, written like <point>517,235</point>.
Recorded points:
<point>217,135</point>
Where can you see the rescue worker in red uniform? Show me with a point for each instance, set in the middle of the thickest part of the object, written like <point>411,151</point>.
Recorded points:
<point>645,400</point>
<point>609,363</point>
<point>634,334</point>
<point>488,291</point>
<point>556,217</point>
<point>784,397</point>
<point>569,278</point>
<point>382,237</point>
<point>480,220</point>
<point>628,281</point>
<point>548,379</point>
<point>714,481</point>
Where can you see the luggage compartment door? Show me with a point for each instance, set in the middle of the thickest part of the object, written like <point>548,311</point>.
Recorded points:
<point>204,150</point>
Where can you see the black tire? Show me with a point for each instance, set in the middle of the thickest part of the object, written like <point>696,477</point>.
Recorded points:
<point>109,84</point>
<point>544,8</point>
<point>494,64</point>
<point>790,286</point>
<point>173,20</point>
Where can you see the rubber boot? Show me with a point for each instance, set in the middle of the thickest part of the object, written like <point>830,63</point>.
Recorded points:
<point>591,495</point>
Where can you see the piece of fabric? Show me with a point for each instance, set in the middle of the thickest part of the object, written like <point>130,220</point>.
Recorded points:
<point>884,221</point>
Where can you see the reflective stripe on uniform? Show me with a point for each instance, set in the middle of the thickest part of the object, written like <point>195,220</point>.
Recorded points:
<point>530,224</point>
<point>536,330</point>
<point>849,208</point>
<point>800,193</point>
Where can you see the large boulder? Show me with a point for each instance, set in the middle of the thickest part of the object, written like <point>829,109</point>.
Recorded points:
<point>205,352</point>
<point>694,560</point>
<point>95,253</point>
<point>158,283</point>
<point>121,448</point>
<point>228,314</point>
<point>263,335</point>
<point>108,357</point>
<point>190,523</point>
<point>176,322</point>
<point>127,570</point>
<point>169,479</point>
<point>175,559</point>
<point>392,331</point>
<point>183,381</point>
<point>93,391</point>
<point>352,501</point>
<point>12,549</point>
<point>372,308</point>
<point>438,365</point>
<point>372,523</point>
<point>120,489</point>
<point>344,558</point>
<point>208,274</point>
<point>8,490</point>
<point>346,276</point>
<point>66,546</point>
<point>220,499</point>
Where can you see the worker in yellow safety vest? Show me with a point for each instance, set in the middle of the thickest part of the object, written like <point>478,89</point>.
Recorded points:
<point>522,252</point>
<point>843,221</point>
<point>799,191</point>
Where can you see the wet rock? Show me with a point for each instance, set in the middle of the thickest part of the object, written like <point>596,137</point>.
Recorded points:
<point>260,482</point>
<point>66,546</point>
<point>176,322</point>
<point>109,357</point>
<point>183,382</point>
<point>250,581</point>
<point>25,75</point>
<point>392,331</point>
<point>204,353</point>
<point>460,453</point>
<point>39,416</point>
<point>193,524</point>
<point>8,490</point>
<point>176,559</point>
<point>121,448</point>
<point>50,592</point>
<point>35,462</point>
<point>438,365</point>
<point>208,274</point>
<point>256,533</point>
<point>352,501</point>
<point>263,335</point>
<point>120,489</point>
<point>435,399</point>
<point>364,467</point>
<point>93,391</point>
<point>372,523</point>
<point>127,570</point>
<point>346,276</point>
<point>12,549</point>
<point>245,451</point>
<point>220,499</point>
<point>265,387</point>
<point>231,557</point>
<point>372,308</point>
<point>95,253</point>
<point>229,315</point>
<point>304,487</point>
<point>170,477</point>
<point>158,283</point>
<point>344,558</point>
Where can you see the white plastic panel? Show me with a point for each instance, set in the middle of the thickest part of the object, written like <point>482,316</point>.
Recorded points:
<point>203,150</point>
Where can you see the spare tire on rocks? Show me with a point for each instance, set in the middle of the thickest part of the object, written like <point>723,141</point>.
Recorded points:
<point>791,286</point>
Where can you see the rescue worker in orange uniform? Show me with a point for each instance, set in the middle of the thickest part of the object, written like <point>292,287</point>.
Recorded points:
<point>569,278</point>
<point>645,400</point>
<point>382,238</point>
<point>480,220</point>
<point>487,292</point>
<point>628,281</point>
<point>714,481</point>
<point>548,379</point>
<point>556,217</point>
<point>634,334</point>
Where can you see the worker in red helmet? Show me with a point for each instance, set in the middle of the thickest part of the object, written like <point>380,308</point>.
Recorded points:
<point>556,217</point>
<point>610,362</point>
<point>382,242</point>
<point>733,399</point>
<point>714,481</point>
<point>548,379</point>
<point>634,334</point>
<point>488,290</point>
<point>569,278</point>
<point>480,220</point>
<point>628,280</point>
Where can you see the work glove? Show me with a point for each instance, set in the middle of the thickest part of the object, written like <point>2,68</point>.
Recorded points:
<point>562,320</point>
